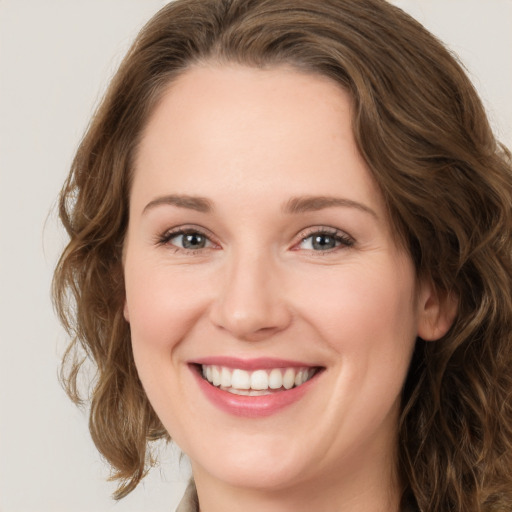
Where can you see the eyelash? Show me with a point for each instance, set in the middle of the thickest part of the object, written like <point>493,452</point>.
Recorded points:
<point>341,239</point>
<point>166,237</point>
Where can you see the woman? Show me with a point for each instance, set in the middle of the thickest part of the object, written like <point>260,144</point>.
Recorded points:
<point>290,252</point>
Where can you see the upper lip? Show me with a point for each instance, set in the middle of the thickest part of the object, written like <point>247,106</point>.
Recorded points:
<point>259,363</point>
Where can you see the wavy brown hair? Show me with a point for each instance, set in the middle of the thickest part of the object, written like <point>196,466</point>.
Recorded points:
<point>422,130</point>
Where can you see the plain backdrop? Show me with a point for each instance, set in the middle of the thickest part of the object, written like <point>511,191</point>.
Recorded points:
<point>56,57</point>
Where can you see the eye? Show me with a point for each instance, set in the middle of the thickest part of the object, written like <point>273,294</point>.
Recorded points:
<point>189,241</point>
<point>325,241</point>
<point>186,240</point>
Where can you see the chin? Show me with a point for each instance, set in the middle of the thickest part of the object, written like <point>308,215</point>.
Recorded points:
<point>256,463</point>
<point>269,473</point>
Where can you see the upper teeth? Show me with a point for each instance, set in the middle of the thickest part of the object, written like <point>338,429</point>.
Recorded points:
<point>258,380</point>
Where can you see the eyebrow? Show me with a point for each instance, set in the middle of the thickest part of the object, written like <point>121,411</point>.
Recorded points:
<point>295,205</point>
<point>314,203</point>
<point>200,204</point>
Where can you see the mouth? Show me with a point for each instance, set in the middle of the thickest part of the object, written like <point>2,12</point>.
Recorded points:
<point>258,382</point>
<point>254,388</point>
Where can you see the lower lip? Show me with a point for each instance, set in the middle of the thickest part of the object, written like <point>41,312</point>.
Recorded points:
<point>252,406</point>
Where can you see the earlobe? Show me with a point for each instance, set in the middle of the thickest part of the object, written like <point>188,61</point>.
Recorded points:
<point>437,312</point>
<point>126,313</point>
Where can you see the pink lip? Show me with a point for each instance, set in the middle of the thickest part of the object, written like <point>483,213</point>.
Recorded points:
<point>251,406</point>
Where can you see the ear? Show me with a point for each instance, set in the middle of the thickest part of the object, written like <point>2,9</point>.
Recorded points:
<point>126,313</point>
<point>436,312</point>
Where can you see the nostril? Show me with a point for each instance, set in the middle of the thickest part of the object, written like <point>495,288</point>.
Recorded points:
<point>251,324</point>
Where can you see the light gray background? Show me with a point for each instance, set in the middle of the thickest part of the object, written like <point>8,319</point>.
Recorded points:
<point>56,57</point>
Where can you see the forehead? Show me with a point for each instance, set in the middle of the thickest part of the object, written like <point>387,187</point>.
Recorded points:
<point>247,130</point>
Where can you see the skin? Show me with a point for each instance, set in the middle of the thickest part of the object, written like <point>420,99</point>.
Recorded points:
<point>249,141</point>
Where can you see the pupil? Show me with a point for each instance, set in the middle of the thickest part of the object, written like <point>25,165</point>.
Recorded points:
<point>323,242</point>
<point>193,241</point>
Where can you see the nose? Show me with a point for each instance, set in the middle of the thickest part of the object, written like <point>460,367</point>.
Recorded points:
<point>250,303</point>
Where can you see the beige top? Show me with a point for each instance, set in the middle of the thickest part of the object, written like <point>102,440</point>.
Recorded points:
<point>190,503</point>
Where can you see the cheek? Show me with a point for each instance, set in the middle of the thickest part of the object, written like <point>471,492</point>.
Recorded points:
<point>364,310</point>
<point>163,304</point>
<point>367,316</point>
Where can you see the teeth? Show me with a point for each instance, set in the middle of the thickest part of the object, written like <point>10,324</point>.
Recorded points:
<point>216,376</point>
<point>240,379</point>
<point>258,382</point>
<point>225,378</point>
<point>289,378</point>
<point>275,379</point>
<point>246,392</point>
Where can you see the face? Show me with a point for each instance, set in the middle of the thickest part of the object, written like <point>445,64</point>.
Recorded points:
<point>272,314</point>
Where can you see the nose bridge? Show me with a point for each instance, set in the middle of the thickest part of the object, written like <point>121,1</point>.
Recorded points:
<point>250,303</point>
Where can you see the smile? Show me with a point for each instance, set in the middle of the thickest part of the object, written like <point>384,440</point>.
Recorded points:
<point>258,382</point>
<point>253,388</point>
